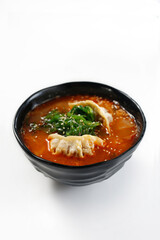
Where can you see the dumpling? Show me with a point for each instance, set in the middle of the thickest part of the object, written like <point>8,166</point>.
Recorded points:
<point>77,146</point>
<point>102,112</point>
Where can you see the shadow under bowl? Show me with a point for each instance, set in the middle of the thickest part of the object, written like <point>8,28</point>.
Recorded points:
<point>79,175</point>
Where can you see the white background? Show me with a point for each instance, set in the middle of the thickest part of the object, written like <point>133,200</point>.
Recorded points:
<point>43,43</point>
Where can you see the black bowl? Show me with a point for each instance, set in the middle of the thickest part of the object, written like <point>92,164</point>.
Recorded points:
<point>79,175</point>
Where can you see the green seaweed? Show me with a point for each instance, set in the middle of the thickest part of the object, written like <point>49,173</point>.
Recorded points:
<point>79,121</point>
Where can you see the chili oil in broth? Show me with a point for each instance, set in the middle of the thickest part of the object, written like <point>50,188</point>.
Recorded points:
<point>123,132</point>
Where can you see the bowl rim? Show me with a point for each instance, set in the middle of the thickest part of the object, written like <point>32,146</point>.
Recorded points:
<point>58,165</point>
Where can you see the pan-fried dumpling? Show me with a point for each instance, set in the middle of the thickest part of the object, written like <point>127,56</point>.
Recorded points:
<point>78,146</point>
<point>102,112</point>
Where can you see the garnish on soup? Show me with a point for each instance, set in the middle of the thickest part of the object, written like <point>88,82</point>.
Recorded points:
<point>79,121</point>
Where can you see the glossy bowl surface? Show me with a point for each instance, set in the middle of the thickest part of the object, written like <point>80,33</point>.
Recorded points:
<point>79,175</point>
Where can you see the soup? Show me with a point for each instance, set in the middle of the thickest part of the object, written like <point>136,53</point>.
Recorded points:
<point>79,130</point>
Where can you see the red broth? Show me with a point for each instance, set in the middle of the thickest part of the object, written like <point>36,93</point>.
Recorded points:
<point>123,132</point>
